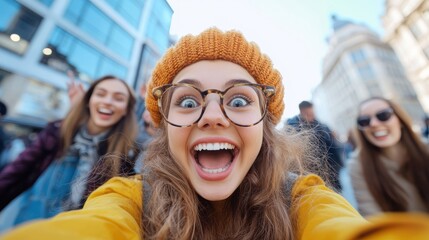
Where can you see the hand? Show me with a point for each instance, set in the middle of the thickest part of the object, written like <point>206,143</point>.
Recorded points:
<point>75,90</point>
<point>143,90</point>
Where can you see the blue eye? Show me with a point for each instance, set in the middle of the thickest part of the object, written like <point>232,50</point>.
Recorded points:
<point>239,101</point>
<point>188,103</point>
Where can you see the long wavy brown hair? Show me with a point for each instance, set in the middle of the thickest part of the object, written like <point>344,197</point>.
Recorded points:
<point>387,193</point>
<point>258,209</point>
<point>121,136</point>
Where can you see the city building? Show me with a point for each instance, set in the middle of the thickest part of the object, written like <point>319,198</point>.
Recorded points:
<point>359,65</point>
<point>44,41</point>
<point>406,25</point>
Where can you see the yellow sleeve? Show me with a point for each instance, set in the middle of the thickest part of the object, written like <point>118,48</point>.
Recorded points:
<point>393,226</point>
<point>113,211</point>
<point>321,214</point>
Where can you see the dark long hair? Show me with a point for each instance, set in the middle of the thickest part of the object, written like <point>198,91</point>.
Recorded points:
<point>384,189</point>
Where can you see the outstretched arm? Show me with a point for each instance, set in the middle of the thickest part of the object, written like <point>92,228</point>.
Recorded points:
<point>113,211</point>
<point>23,172</point>
<point>321,214</point>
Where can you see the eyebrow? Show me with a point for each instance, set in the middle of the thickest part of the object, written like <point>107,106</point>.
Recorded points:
<point>226,85</point>
<point>235,81</point>
<point>115,93</point>
<point>192,82</point>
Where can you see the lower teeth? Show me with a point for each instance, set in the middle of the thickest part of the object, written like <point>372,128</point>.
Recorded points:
<point>217,170</point>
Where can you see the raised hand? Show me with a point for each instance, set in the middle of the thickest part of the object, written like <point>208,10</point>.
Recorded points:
<point>75,89</point>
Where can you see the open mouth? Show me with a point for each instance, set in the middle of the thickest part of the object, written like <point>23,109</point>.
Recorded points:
<point>380,133</point>
<point>105,111</point>
<point>214,158</point>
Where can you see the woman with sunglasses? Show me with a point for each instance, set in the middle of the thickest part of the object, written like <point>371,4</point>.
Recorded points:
<point>391,170</point>
<point>218,168</point>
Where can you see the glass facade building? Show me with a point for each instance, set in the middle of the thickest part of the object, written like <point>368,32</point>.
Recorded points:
<point>41,41</point>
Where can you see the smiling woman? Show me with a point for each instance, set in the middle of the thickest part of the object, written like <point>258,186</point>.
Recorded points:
<point>391,169</point>
<point>107,105</point>
<point>66,162</point>
<point>218,168</point>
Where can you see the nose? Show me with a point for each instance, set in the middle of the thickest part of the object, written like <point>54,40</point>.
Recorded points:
<point>374,121</point>
<point>213,116</point>
<point>107,100</point>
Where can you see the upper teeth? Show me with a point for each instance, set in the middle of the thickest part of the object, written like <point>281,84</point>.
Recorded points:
<point>380,133</point>
<point>105,110</point>
<point>213,146</point>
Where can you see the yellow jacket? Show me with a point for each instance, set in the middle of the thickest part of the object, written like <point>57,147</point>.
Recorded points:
<point>113,211</point>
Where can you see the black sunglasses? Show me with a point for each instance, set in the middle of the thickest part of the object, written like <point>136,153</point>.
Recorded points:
<point>382,115</point>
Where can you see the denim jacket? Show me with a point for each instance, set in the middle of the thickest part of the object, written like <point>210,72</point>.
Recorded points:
<point>42,181</point>
<point>46,198</point>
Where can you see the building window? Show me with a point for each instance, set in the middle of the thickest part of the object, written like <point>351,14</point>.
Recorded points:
<point>358,55</point>
<point>426,51</point>
<point>130,10</point>
<point>159,25</point>
<point>46,2</point>
<point>148,62</point>
<point>66,52</point>
<point>418,28</point>
<point>18,25</point>
<point>426,16</point>
<point>100,27</point>
<point>398,71</point>
<point>3,74</point>
<point>374,90</point>
<point>386,54</point>
<point>366,72</point>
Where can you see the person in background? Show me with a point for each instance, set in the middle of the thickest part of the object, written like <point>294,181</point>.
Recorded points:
<point>391,170</point>
<point>218,168</point>
<point>425,130</point>
<point>148,123</point>
<point>3,135</point>
<point>328,146</point>
<point>144,122</point>
<point>72,157</point>
<point>146,135</point>
<point>350,145</point>
<point>146,130</point>
<point>141,104</point>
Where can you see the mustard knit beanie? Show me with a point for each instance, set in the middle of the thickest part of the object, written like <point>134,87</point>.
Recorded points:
<point>213,44</point>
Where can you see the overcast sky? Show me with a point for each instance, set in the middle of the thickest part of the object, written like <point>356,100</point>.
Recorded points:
<point>292,32</point>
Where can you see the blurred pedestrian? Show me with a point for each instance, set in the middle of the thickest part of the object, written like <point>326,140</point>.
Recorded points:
<point>350,145</point>
<point>328,146</point>
<point>147,132</point>
<point>3,135</point>
<point>425,130</point>
<point>218,168</point>
<point>391,170</point>
<point>144,123</point>
<point>141,104</point>
<point>72,157</point>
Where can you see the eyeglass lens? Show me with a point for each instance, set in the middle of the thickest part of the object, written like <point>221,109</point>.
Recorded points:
<point>184,105</point>
<point>383,115</point>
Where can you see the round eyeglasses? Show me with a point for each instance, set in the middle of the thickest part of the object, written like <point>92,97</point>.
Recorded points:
<point>244,104</point>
